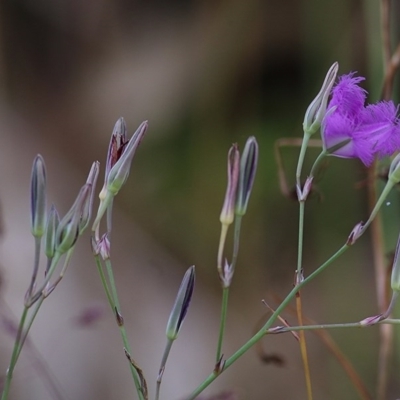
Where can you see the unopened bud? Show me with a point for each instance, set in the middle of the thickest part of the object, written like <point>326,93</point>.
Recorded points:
<point>357,231</point>
<point>248,168</point>
<point>38,197</point>
<point>228,209</point>
<point>181,305</point>
<point>317,109</point>
<point>104,247</point>
<point>68,228</point>
<point>120,171</point>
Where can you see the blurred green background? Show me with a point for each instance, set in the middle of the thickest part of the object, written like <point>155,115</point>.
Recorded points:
<point>207,74</point>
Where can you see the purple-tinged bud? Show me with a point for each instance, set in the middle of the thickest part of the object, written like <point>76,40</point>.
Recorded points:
<point>226,274</point>
<point>248,168</point>
<point>228,209</point>
<point>181,305</point>
<point>394,170</point>
<point>357,231</point>
<point>91,180</point>
<point>371,320</point>
<point>104,247</point>
<point>317,109</point>
<point>116,146</point>
<point>68,228</point>
<point>119,172</point>
<point>38,197</point>
<point>53,221</point>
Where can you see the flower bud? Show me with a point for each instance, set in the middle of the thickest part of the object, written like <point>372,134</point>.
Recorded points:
<point>248,167</point>
<point>181,305</point>
<point>316,110</point>
<point>68,228</point>
<point>228,209</point>
<point>119,172</point>
<point>38,197</point>
<point>116,146</point>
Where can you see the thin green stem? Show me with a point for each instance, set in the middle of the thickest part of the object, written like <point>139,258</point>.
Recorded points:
<point>104,282</point>
<point>317,163</point>
<point>35,265</point>
<point>120,323</point>
<point>14,355</point>
<point>299,271</point>
<point>162,367</point>
<point>32,317</point>
<point>236,240</point>
<point>260,334</point>
<point>224,309</point>
<point>303,148</point>
<point>285,329</point>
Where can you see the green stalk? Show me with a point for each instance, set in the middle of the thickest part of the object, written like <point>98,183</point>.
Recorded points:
<point>120,323</point>
<point>225,290</point>
<point>224,309</point>
<point>260,334</point>
<point>302,154</point>
<point>14,355</point>
<point>162,367</point>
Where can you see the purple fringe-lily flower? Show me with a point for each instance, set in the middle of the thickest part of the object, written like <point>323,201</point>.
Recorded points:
<point>352,130</point>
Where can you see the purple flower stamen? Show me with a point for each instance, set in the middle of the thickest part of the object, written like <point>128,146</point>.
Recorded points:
<point>352,130</point>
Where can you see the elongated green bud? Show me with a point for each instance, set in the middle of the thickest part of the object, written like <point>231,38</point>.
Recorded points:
<point>68,228</point>
<point>38,197</point>
<point>248,168</point>
<point>317,109</point>
<point>181,305</point>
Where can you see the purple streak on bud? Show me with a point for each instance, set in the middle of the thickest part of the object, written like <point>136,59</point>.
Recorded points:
<point>116,146</point>
<point>120,171</point>
<point>53,221</point>
<point>68,228</point>
<point>317,109</point>
<point>104,247</point>
<point>181,304</point>
<point>357,231</point>
<point>248,168</point>
<point>228,209</point>
<point>371,320</point>
<point>38,197</point>
<point>353,130</point>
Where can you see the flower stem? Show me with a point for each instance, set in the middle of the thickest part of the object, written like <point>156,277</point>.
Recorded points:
<point>224,309</point>
<point>14,355</point>
<point>162,367</point>
<point>299,277</point>
<point>260,334</point>
<point>302,154</point>
<point>120,323</point>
